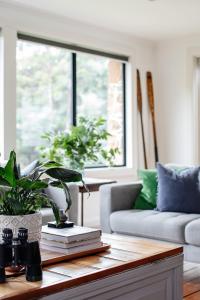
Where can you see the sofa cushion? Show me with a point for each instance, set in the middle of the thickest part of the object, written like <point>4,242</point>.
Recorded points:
<point>192,232</point>
<point>178,192</point>
<point>168,226</point>
<point>147,196</point>
<point>47,215</point>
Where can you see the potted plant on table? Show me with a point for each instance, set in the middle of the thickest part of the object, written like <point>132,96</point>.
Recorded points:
<point>81,146</point>
<point>22,193</point>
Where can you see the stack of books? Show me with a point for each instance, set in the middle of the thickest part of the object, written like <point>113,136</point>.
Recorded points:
<point>70,240</point>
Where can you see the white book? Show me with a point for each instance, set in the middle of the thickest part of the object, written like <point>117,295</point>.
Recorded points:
<point>68,245</point>
<point>73,249</point>
<point>70,235</point>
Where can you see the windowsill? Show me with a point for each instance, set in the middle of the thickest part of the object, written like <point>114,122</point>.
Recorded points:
<point>111,173</point>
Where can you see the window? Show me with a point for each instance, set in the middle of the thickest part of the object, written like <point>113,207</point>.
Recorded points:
<point>100,93</point>
<point>43,94</point>
<point>56,85</point>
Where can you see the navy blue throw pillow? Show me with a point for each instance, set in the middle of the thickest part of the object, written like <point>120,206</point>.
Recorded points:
<point>178,191</point>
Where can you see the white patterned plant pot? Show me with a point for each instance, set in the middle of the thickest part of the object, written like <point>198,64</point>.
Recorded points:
<point>32,222</point>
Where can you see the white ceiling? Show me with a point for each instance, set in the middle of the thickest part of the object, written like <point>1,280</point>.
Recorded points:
<point>155,19</point>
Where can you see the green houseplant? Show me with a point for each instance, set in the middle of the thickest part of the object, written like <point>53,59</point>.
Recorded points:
<point>80,146</point>
<point>22,193</point>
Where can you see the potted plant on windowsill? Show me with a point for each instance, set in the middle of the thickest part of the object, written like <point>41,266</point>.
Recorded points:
<point>81,146</point>
<point>22,193</point>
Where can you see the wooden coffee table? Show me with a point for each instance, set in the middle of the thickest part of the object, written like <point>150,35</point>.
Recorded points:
<point>132,269</point>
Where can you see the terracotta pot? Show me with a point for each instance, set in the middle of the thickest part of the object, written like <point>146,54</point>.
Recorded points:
<point>32,222</point>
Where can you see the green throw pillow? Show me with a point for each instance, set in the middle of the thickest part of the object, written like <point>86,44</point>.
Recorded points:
<point>147,197</point>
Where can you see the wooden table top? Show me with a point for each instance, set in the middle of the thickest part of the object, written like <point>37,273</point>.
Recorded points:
<point>125,253</point>
<point>93,184</point>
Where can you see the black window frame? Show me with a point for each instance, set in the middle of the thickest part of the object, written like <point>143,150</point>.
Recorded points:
<point>75,48</point>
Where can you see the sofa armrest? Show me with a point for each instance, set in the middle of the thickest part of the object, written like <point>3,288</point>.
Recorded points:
<point>114,197</point>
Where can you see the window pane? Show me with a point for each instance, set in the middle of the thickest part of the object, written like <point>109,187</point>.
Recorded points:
<point>43,94</point>
<point>100,93</point>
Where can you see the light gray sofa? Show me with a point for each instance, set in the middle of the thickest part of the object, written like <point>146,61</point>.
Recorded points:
<point>118,216</point>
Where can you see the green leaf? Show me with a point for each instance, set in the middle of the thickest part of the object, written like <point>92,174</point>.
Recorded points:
<point>67,195</point>
<point>64,175</point>
<point>2,171</point>
<point>56,184</point>
<point>55,211</point>
<point>28,184</point>
<point>3,182</point>
<point>51,164</point>
<point>10,170</point>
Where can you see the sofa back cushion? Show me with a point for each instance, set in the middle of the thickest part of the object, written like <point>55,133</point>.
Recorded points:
<point>178,191</point>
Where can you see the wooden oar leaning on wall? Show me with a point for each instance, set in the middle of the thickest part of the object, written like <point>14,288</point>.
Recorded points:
<point>150,95</point>
<point>139,103</point>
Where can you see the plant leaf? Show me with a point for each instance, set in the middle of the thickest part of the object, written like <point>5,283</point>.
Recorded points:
<point>10,170</point>
<point>64,175</point>
<point>51,164</point>
<point>28,184</point>
<point>69,196</point>
<point>55,211</point>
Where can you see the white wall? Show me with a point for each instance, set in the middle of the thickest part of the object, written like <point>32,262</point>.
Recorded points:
<point>15,19</point>
<point>176,106</point>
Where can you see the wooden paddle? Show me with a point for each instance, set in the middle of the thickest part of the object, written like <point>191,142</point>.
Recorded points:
<point>150,95</point>
<point>139,102</point>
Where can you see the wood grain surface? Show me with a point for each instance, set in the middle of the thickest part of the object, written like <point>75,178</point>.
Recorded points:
<point>49,257</point>
<point>93,184</point>
<point>150,95</point>
<point>191,287</point>
<point>140,110</point>
<point>125,253</point>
